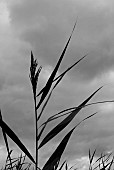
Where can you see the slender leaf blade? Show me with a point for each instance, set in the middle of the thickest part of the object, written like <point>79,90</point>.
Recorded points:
<point>65,122</point>
<point>69,68</point>
<point>62,74</point>
<point>14,137</point>
<point>56,156</point>
<point>48,98</point>
<point>109,168</point>
<point>62,165</point>
<point>6,142</point>
<point>51,78</point>
<point>39,135</point>
<point>91,157</point>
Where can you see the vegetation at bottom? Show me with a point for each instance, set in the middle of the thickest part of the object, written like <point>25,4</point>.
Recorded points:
<point>40,101</point>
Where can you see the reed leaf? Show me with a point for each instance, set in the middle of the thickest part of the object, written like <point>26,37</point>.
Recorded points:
<point>73,167</point>
<point>14,137</point>
<point>44,125</point>
<point>108,157</point>
<point>56,116</point>
<point>41,131</point>
<point>66,121</point>
<point>62,165</point>
<point>51,78</point>
<point>105,166</point>
<point>73,108</point>
<point>99,160</point>
<point>69,68</point>
<point>48,98</point>
<point>56,156</point>
<point>59,78</point>
<point>111,163</point>
<point>6,142</point>
<point>62,74</point>
<point>91,157</point>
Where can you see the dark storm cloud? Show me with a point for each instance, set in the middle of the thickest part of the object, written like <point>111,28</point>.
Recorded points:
<point>46,25</point>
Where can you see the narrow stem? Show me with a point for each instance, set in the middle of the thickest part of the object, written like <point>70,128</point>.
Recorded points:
<point>6,142</point>
<point>8,151</point>
<point>36,130</point>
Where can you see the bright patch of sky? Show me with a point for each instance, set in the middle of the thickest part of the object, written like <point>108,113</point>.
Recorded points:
<point>107,108</point>
<point>4,14</point>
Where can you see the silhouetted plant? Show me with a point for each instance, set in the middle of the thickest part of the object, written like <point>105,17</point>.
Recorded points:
<point>44,95</point>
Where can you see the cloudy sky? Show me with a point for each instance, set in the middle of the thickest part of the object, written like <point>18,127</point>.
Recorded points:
<point>44,26</point>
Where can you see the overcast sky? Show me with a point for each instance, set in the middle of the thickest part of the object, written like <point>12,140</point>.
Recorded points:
<point>44,26</point>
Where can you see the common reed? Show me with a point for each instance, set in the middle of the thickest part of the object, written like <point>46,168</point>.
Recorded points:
<point>53,163</point>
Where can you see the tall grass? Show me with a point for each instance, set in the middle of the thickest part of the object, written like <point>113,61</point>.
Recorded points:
<point>53,163</point>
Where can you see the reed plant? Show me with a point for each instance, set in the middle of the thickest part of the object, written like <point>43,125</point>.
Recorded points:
<point>41,100</point>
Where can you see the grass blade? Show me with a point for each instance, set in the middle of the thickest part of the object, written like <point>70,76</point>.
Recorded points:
<point>59,78</point>
<point>65,122</point>
<point>44,106</point>
<point>69,68</point>
<point>55,116</point>
<point>45,124</point>
<point>6,142</point>
<point>99,159</point>
<point>105,166</point>
<point>62,165</point>
<point>91,157</point>
<point>62,74</point>
<point>111,163</point>
<point>89,154</point>
<point>48,98</point>
<point>66,167</point>
<point>58,115</point>
<point>51,78</point>
<point>14,137</point>
<point>39,135</point>
<point>56,156</point>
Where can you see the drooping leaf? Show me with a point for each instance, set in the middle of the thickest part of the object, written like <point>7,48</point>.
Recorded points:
<point>65,122</point>
<point>14,137</point>
<point>58,115</point>
<point>51,78</point>
<point>73,108</point>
